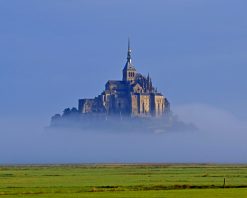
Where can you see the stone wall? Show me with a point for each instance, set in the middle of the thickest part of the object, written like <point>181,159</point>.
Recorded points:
<point>144,104</point>
<point>121,104</point>
<point>134,104</point>
<point>85,105</point>
<point>159,105</point>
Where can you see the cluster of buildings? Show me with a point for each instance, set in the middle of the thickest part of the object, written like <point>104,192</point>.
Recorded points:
<point>132,96</point>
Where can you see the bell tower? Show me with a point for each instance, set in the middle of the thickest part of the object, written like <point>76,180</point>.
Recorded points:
<point>129,71</point>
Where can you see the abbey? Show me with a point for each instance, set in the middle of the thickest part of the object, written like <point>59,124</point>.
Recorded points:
<point>133,96</point>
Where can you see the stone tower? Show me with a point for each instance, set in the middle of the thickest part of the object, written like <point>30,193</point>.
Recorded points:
<point>129,71</point>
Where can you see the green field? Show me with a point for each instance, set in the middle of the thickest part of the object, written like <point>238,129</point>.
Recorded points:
<point>115,180</point>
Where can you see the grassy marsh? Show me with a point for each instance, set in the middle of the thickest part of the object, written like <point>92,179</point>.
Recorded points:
<point>124,180</point>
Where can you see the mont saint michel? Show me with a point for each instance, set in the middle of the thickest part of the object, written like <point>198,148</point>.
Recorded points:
<point>133,98</point>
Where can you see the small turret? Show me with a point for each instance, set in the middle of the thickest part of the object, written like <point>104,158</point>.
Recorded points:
<point>149,84</point>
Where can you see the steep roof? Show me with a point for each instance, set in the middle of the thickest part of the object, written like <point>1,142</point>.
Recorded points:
<point>116,82</point>
<point>116,85</point>
<point>129,65</point>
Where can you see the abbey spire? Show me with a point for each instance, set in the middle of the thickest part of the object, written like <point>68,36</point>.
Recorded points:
<point>129,52</point>
<point>129,70</point>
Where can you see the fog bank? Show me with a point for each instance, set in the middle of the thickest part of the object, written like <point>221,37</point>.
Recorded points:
<point>220,138</point>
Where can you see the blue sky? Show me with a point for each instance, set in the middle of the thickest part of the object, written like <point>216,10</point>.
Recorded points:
<point>54,52</point>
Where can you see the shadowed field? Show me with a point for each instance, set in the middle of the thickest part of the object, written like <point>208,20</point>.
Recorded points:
<point>127,180</point>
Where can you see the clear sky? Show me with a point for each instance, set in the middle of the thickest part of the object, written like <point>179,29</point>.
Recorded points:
<point>54,52</point>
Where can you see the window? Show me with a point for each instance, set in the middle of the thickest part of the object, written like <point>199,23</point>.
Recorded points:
<point>131,74</point>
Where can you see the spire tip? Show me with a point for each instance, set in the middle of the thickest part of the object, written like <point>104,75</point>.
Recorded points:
<point>129,51</point>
